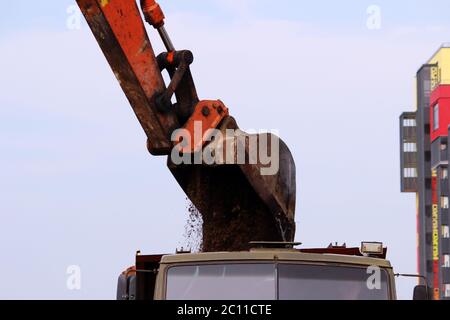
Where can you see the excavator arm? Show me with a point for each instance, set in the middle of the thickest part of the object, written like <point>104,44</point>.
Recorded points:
<point>238,202</point>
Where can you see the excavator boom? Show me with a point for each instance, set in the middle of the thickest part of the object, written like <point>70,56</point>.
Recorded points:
<point>240,200</point>
<point>120,32</point>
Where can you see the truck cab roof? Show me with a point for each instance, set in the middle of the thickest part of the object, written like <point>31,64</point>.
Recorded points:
<point>275,255</point>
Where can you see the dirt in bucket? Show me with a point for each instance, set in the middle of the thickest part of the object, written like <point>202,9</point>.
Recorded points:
<point>231,212</point>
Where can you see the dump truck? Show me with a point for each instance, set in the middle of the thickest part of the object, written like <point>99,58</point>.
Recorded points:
<point>243,185</point>
<point>269,271</point>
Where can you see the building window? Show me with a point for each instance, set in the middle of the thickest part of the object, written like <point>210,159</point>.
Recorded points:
<point>409,147</point>
<point>409,122</point>
<point>444,203</point>
<point>446,261</point>
<point>446,232</point>
<point>410,173</point>
<point>436,117</point>
<point>444,173</point>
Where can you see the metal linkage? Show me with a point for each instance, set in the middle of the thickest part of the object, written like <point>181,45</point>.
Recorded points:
<point>155,16</point>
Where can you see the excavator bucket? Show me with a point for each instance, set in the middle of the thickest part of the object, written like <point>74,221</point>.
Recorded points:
<point>242,199</point>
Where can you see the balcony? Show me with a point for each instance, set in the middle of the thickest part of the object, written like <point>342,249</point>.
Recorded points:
<point>445,247</point>
<point>444,186</point>
<point>408,152</point>
<point>409,185</point>
<point>445,220</point>
<point>446,275</point>
<point>439,152</point>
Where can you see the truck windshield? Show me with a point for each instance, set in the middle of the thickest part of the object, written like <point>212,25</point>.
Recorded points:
<point>275,281</point>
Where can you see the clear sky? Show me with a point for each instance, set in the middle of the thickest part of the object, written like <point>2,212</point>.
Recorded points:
<point>78,187</point>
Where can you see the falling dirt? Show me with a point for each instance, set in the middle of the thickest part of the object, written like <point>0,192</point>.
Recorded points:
<point>193,234</point>
<point>233,215</point>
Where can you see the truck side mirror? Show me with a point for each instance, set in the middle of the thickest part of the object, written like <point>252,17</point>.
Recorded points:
<point>421,293</point>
